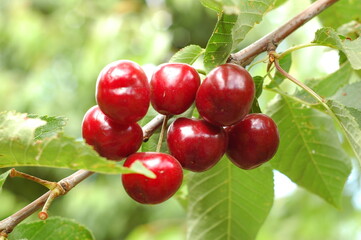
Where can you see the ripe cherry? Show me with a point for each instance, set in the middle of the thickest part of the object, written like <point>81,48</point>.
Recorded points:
<point>109,138</point>
<point>169,176</point>
<point>122,91</point>
<point>196,144</point>
<point>173,88</point>
<point>226,95</point>
<point>253,141</point>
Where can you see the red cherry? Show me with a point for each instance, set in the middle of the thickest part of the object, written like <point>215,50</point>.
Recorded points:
<point>173,88</point>
<point>253,141</point>
<point>226,95</point>
<point>196,144</point>
<point>169,176</point>
<point>109,138</point>
<point>122,91</point>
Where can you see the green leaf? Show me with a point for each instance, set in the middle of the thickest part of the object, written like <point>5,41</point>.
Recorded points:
<point>54,228</point>
<point>226,6</point>
<point>251,13</point>
<point>238,7</point>
<point>351,48</point>
<point>51,128</point>
<point>351,29</point>
<point>258,81</point>
<point>187,54</point>
<point>350,119</point>
<point>329,85</point>
<point>310,152</point>
<point>348,111</point>
<point>226,202</point>
<point>219,46</point>
<point>18,147</point>
<point>340,13</point>
<point>212,4</point>
<point>235,20</point>
<point>349,95</point>
<point>278,78</point>
<point>342,58</point>
<point>3,178</point>
<point>279,3</point>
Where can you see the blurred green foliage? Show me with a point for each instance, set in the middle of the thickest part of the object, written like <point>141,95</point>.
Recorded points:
<point>50,55</point>
<point>51,52</point>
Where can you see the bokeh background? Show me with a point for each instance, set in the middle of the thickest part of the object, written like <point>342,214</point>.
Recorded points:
<point>50,55</point>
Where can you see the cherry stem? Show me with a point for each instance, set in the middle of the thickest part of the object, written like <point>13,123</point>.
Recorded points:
<point>45,183</point>
<point>201,71</point>
<point>162,132</point>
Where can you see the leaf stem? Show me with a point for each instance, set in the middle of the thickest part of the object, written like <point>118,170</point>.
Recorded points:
<point>295,48</point>
<point>162,132</point>
<point>298,83</point>
<point>263,60</point>
<point>45,183</point>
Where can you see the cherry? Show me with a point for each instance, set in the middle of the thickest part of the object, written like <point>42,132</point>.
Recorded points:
<point>122,91</point>
<point>196,144</point>
<point>226,95</point>
<point>169,176</point>
<point>109,138</point>
<point>253,141</point>
<point>173,88</point>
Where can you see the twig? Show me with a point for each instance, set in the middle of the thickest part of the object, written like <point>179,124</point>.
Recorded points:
<point>246,55</point>
<point>8,224</point>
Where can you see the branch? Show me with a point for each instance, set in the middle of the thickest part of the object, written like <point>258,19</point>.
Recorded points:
<point>246,55</point>
<point>8,224</point>
<point>151,126</point>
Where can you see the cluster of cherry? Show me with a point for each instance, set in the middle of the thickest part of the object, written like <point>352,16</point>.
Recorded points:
<point>223,100</point>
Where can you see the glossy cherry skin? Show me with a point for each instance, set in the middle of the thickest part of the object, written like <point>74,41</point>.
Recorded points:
<point>109,138</point>
<point>173,88</point>
<point>253,141</point>
<point>122,91</point>
<point>169,176</point>
<point>196,144</point>
<point>226,95</point>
